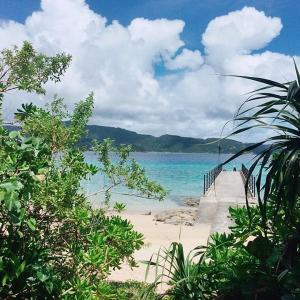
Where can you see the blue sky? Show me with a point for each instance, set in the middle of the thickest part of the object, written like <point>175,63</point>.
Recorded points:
<point>195,13</point>
<point>156,70</point>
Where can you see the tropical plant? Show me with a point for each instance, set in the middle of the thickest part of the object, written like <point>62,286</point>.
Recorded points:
<point>182,273</point>
<point>119,207</point>
<point>274,107</point>
<point>260,258</point>
<point>131,290</point>
<point>54,244</point>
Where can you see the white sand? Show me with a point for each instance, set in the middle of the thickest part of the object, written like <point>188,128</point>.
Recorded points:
<point>159,235</point>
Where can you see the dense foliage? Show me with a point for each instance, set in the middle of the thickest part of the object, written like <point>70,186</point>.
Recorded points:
<point>54,244</point>
<point>260,258</point>
<point>244,264</point>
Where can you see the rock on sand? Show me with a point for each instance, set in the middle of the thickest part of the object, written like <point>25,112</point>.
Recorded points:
<point>177,216</point>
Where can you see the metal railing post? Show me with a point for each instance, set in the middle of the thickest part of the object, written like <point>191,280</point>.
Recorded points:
<point>251,180</point>
<point>210,177</point>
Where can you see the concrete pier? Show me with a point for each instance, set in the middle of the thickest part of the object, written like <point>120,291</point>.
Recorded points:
<point>227,190</point>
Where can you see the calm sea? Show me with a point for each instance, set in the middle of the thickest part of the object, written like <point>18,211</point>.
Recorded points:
<point>181,174</point>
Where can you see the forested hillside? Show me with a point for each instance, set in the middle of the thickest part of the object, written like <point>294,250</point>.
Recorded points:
<point>164,143</point>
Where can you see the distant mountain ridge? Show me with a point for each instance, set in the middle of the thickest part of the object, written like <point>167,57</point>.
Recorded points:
<point>163,143</point>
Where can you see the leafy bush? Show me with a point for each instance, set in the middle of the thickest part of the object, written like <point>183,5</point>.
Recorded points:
<point>54,244</point>
<point>131,290</point>
<point>241,265</point>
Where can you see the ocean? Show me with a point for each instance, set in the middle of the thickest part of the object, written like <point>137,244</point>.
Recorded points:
<point>181,174</point>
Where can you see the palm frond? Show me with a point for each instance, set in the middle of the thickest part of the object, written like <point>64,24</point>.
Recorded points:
<point>273,108</point>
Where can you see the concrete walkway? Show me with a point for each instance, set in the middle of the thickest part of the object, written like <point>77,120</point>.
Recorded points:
<point>227,191</point>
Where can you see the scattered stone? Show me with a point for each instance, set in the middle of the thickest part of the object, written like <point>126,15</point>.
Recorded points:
<point>177,217</point>
<point>191,202</point>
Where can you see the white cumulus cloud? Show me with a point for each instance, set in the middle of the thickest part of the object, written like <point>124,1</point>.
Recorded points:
<point>118,63</point>
<point>187,59</point>
<point>239,32</point>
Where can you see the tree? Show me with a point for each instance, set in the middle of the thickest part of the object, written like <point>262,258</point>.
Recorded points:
<point>27,70</point>
<point>54,244</point>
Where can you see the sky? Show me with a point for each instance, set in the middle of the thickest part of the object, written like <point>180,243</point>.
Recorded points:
<point>154,65</point>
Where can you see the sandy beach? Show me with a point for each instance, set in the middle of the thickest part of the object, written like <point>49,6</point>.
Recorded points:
<point>157,235</point>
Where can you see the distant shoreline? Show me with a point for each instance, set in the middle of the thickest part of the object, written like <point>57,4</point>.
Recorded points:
<point>168,152</point>
<point>163,144</point>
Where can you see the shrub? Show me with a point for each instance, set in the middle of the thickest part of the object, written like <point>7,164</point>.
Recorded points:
<point>239,265</point>
<point>54,244</point>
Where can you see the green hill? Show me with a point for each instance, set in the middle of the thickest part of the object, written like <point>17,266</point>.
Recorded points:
<point>164,143</point>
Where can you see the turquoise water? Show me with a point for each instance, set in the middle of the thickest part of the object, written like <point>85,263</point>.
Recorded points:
<point>181,174</point>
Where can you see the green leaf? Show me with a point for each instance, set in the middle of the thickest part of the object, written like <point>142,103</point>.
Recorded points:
<point>2,196</point>
<point>4,279</point>
<point>49,287</point>
<point>21,268</point>
<point>15,219</point>
<point>282,274</point>
<point>31,224</point>
<point>20,234</point>
<point>12,185</point>
<point>10,200</point>
<point>269,82</point>
<point>14,134</point>
<point>41,276</point>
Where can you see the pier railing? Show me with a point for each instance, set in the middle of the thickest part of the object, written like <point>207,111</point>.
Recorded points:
<point>251,180</point>
<point>210,178</point>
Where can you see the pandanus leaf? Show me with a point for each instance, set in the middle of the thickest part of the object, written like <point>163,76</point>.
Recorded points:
<point>275,107</point>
